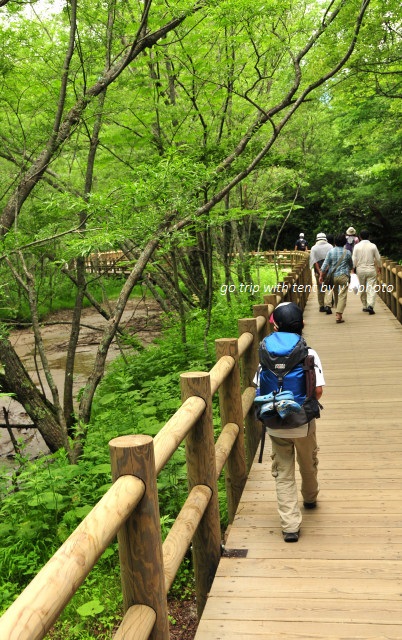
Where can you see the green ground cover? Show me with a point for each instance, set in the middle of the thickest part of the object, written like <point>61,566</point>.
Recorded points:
<point>44,500</point>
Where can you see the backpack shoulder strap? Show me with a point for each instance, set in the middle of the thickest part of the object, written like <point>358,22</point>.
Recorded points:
<point>309,370</point>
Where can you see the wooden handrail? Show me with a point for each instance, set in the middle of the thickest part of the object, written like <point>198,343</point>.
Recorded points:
<point>180,535</point>
<point>390,286</point>
<point>220,372</point>
<point>224,445</point>
<point>175,430</point>
<point>245,342</point>
<point>40,604</point>
<point>130,507</point>
<point>137,623</point>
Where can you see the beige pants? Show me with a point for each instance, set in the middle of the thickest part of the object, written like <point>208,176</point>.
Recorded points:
<point>341,285</point>
<point>324,294</point>
<point>283,470</point>
<point>367,279</point>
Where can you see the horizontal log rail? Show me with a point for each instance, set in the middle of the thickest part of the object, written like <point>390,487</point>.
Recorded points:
<point>130,508</point>
<point>390,286</point>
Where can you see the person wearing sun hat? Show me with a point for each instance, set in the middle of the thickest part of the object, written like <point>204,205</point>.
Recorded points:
<point>318,254</point>
<point>351,239</point>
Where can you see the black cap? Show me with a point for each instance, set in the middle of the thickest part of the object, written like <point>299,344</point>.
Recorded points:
<point>288,317</point>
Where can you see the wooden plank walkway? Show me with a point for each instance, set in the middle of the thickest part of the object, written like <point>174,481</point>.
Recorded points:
<point>343,579</point>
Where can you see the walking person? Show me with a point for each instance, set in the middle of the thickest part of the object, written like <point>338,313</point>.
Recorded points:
<point>339,263</point>
<point>351,239</point>
<point>291,442</point>
<point>301,243</point>
<point>367,264</point>
<point>318,254</point>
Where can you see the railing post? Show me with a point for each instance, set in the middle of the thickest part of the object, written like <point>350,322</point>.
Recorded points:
<point>262,310</point>
<point>272,298</point>
<point>383,294</point>
<point>305,280</point>
<point>248,371</point>
<point>294,294</point>
<point>231,411</point>
<point>201,469</point>
<point>392,280</point>
<point>398,292</point>
<point>140,542</point>
<point>288,293</point>
<point>388,282</point>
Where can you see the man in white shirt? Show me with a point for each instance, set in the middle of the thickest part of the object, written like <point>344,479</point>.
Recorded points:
<point>367,263</point>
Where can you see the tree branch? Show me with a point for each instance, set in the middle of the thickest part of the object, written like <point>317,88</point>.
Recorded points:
<point>63,129</point>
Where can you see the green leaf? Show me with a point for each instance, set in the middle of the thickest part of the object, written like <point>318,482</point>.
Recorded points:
<point>101,468</point>
<point>48,499</point>
<point>82,512</point>
<point>91,608</point>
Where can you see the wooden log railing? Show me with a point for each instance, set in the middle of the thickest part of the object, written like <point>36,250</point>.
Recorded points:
<point>108,263</point>
<point>117,262</point>
<point>390,286</point>
<point>130,508</point>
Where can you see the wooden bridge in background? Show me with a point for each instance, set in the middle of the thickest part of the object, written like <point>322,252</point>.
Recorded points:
<point>119,263</point>
<point>343,579</point>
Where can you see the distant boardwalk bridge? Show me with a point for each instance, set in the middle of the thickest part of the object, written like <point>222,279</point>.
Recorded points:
<point>342,580</point>
<point>120,263</point>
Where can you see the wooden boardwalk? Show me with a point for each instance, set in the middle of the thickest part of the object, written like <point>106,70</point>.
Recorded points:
<point>343,579</point>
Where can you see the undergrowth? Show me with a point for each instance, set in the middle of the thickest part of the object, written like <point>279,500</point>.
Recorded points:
<point>45,500</point>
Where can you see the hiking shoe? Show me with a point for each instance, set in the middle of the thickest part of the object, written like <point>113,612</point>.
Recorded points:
<point>309,505</point>
<point>328,310</point>
<point>364,309</point>
<point>371,311</point>
<point>322,309</point>
<point>290,536</point>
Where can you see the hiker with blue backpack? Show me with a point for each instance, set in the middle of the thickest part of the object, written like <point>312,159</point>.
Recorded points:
<point>289,384</point>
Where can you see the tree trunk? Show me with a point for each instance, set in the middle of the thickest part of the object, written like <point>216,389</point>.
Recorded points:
<point>16,381</point>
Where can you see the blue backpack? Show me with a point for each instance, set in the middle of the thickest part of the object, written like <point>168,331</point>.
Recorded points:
<point>286,366</point>
<point>286,370</point>
<point>281,357</point>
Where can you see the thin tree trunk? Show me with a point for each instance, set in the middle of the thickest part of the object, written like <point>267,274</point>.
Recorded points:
<point>16,380</point>
<point>68,398</point>
<point>80,261</point>
<point>182,313</point>
<point>29,286</point>
<point>110,331</point>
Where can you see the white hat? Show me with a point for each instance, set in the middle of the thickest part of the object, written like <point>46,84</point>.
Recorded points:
<point>350,231</point>
<point>321,236</point>
<point>301,235</point>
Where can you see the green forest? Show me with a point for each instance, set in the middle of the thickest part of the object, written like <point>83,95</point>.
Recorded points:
<point>188,135</point>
